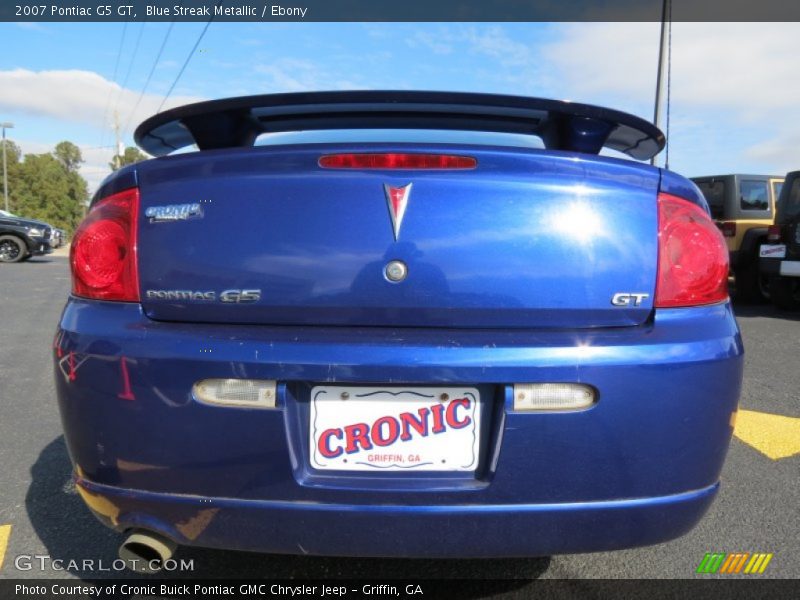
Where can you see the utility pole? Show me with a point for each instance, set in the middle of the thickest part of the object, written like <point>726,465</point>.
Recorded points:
<point>118,149</point>
<point>663,50</point>
<point>5,125</point>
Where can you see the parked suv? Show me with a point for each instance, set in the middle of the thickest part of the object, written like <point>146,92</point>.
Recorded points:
<point>743,207</point>
<point>22,238</point>
<point>780,257</point>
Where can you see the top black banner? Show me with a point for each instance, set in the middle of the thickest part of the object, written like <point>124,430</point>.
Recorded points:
<point>398,11</point>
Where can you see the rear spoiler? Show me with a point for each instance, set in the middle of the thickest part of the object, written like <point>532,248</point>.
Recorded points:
<point>237,122</point>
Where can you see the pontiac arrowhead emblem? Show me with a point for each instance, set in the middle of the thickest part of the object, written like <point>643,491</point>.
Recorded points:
<point>397,200</point>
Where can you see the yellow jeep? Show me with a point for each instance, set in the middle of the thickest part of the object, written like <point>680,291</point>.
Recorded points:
<point>743,207</point>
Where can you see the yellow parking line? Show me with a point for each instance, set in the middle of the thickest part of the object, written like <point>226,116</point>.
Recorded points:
<point>775,436</point>
<point>5,533</point>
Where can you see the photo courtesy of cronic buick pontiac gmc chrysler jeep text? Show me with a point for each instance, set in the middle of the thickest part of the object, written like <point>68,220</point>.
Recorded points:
<point>417,324</point>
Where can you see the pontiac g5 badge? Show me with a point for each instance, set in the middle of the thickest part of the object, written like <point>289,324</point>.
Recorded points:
<point>397,200</point>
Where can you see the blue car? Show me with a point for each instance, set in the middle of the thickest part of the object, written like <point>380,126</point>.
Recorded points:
<point>397,324</point>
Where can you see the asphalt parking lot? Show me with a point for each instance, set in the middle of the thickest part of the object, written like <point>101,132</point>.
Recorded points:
<point>40,513</point>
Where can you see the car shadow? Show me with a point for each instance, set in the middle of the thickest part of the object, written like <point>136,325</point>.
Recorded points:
<point>41,260</point>
<point>743,310</point>
<point>59,517</point>
<point>71,533</point>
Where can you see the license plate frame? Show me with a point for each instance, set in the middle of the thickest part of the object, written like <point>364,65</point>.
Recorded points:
<point>408,428</point>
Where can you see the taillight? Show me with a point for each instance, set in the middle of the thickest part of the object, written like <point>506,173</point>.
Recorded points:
<point>103,253</point>
<point>728,228</point>
<point>396,161</point>
<point>774,233</point>
<point>692,257</point>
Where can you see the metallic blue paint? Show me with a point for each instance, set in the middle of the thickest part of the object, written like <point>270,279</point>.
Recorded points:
<point>641,466</point>
<point>435,531</point>
<point>672,183</point>
<point>480,244</point>
<point>661,428</point>
<point>120,180</point>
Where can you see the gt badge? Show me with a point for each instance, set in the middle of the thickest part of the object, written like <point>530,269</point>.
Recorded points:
<point>628,299</point>
<point>397,200</point>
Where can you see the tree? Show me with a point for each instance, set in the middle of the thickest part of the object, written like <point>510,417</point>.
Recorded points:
<point>130,156</point>
<point>69,155</point>
<point>48,186</point>
<point>13,153</point>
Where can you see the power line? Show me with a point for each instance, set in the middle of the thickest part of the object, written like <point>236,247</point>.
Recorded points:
<point>130,65</point>
<point>113,80</point>
<point>133,56</point>
<point>188,58</point>
<point>149,77</point>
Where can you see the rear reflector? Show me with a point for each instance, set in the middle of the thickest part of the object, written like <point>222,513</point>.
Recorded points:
<point>552,396</point>
<point>774,233</point>
<point>692,256</point>
<point>252,393</point>
<point>103,251</point>
<point>397,161</point>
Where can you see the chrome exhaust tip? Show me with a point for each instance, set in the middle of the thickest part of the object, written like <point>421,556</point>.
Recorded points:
<point>145,551</point>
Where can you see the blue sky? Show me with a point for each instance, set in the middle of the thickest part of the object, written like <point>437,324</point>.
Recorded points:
<point>735,101</point>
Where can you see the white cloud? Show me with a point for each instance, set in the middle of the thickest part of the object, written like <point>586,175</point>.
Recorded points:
<point>494,42</point>
<point>251,42</point>
<point>742,66</point>
<point>76,97</point>
<point>439,42</point>
<point>736,81</point>
<point>779,152</point>
<point>32,26</point>
<point>296,75</point>
<point>82,98</point>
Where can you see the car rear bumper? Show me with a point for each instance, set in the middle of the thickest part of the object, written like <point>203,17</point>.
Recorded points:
<point>780,266</point>
<point>37,246</point>
<point>639,467</point>
<point>390,530</point>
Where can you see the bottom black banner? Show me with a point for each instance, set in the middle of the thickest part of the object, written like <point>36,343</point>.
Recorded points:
<point>335,589</point>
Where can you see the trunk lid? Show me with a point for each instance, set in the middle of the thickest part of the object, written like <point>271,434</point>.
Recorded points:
<point>527,239</point>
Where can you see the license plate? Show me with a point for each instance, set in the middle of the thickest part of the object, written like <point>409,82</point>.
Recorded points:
<point>772,251</point>
<point>394,428</point>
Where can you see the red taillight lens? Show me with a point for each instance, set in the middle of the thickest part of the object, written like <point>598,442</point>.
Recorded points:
<point>774,233</point>
<point>728,228</point>
<point>397,161</point>
<point>692,256</point>
<point>103,253</point>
